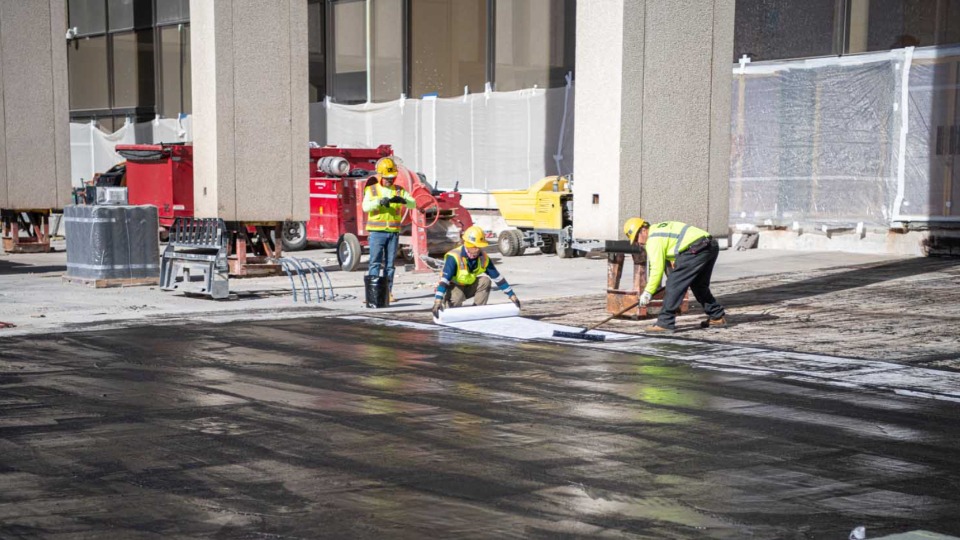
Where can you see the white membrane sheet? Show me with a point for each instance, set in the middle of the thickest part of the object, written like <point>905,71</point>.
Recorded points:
<point>503,320</point>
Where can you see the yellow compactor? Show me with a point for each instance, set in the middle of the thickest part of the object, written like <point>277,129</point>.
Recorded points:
<point>541,216</point>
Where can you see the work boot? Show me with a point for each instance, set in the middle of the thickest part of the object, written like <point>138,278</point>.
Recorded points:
<point>392,299</point>
<point>654,329</point>
<point>714,323</point>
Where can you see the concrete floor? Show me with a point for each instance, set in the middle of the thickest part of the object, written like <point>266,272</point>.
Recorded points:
<point>330,428</point>
<point>136,413</point>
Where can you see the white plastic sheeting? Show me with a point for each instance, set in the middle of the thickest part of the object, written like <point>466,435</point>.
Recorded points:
<point>92,150</point>
<point>493,140</point>
<point>842,141</point>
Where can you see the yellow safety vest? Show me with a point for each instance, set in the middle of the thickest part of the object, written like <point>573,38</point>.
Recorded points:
<point>464,276</point>
<point>385,219</point>
<point>665,241</point>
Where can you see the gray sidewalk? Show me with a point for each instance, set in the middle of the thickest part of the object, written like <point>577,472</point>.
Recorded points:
<point>885,308</point>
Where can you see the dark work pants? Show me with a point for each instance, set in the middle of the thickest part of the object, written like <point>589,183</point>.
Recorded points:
<point>691,270</point>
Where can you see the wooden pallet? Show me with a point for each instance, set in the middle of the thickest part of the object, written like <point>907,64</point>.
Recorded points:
<point>114,282</point>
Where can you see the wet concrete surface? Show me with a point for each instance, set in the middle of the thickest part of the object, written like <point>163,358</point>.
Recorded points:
<point>343,429</point>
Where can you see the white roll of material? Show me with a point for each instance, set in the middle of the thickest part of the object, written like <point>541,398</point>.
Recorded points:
<point>477,313</point>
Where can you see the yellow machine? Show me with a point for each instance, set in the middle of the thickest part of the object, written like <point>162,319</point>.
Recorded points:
<point>541,216</point>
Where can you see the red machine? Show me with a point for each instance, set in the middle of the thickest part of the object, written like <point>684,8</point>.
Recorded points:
<point>161,175</point>
<point>336,215</point>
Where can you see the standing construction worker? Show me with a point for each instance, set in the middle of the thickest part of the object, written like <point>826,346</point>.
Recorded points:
<point>384,204</point>
<point>692,252</point>
<point>467,273</point>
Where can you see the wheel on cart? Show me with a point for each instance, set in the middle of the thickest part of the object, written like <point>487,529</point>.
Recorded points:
<point>549,246</point>
<point>510,242</point>
<point>348,252</point>
<point>294,235</point>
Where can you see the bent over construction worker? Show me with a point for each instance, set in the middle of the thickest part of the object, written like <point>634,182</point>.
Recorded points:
<point>467,273</point>
<point>384,204</point>
<point>692,252</point>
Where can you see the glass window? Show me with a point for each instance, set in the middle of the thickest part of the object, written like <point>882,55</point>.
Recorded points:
<point>173,11</point>
<point>316,39</point>
<point>386,74</point>
<point>133,79</point>
<point>878,25</point>
<point>175,69</point>
<point>88,16</point>
<point>534,43</point>
<point>349,52</point>
<point>87,70</point>
<point>779,29</point>
<point>129,14</point>
<point>448,46</point>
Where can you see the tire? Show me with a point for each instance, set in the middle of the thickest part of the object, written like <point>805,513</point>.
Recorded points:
<point>549,246</point>
<point>518,237</point>
<point>507,243</point>
<point>348,252</point>
<point>294,235</point>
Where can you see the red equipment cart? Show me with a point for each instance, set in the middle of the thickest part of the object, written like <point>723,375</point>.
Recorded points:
<point>338,178</point>
<point>161,175</point>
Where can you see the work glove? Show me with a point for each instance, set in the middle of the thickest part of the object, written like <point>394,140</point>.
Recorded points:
<point>645,298</point>
<point>385,201</point>
<point>437,306</point>
<point>515,300</point>
<point>397,199</point>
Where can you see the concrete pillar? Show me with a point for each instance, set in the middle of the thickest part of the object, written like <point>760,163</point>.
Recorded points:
<point>652,111</point>
<point>34,114</point>
<point>250,109</point>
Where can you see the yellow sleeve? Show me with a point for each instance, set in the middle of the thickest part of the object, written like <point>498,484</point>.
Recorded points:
<point>370,200</point>
<point>656,261</point>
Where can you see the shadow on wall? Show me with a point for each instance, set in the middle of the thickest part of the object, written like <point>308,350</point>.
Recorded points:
<point>852,277</point>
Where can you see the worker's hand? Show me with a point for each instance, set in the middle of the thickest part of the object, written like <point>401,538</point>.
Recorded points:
<point>437,306</point>
<point>645,298</point>
<point>515,300</point>
<point>385,201</point>
<point>397,199</point>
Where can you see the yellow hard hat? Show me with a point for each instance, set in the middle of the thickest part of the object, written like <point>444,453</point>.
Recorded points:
<point>632,228</point>
<point>387,167</point>
<point>475,237</point>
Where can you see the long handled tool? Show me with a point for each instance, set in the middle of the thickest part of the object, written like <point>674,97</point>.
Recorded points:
<point>597,337</point>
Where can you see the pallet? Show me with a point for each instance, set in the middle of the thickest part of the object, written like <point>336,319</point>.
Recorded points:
<point>112,282</point>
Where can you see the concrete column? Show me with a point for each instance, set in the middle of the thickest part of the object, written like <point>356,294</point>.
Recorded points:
<point>34,114</point>
<point>250,109</point>
<point>652,112</point>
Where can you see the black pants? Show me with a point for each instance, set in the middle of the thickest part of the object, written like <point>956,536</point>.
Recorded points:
<point>691,270</point>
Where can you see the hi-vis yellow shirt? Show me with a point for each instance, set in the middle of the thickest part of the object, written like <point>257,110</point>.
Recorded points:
<point>385,218</point>
<point>665,241</point>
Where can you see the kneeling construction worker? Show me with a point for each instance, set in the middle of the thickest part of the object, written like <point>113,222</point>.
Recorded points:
<point>692,252</point>
<point>468,273</point>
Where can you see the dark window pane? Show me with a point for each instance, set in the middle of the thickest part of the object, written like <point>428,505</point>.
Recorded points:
<point>316,36</point>
<point>387,43</point>
<point>87,70</point>
<point>535,43</point>
<point>779,29</point>
<point>133,79</point>
<point>88,16</point>
<point>449,46</point>
<point>878,25</point>
<point>129,14</point>
<point>175,55</point>
<point>350,52</point>
<point>173,11</point>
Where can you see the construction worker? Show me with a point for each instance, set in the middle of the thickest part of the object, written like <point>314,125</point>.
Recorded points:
<point>467,273</point>
<point>692,252</point>
<point>384,204</point>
